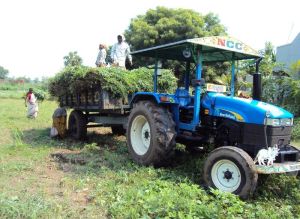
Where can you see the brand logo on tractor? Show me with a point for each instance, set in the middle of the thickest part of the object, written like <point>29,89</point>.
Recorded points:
<point>230,115</point>
<point>227,115</point>
<point>230,44</point>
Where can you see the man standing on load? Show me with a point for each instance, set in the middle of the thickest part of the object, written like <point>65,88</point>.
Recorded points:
<point>119,52</point>
<point>100,62</point>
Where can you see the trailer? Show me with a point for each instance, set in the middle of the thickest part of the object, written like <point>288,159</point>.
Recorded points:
<point>95,108</point>
<point>250,137</point>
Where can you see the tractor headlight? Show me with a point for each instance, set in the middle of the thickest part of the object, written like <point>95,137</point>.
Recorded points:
<point>286,122</point>
<point>279,122</point>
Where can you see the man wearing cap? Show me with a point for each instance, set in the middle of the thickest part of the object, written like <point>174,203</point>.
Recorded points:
<point>120,51</point>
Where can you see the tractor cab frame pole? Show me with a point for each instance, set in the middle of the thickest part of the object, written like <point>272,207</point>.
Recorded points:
<point>232,76</point>
<point>187,75</point>
<point>257,81</point>
<point>197,96</point>
<point>155,76</point>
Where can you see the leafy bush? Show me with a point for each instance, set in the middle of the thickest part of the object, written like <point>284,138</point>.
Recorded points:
<point>296,129</point>
<point>119,82</point>
<point>283,91</point>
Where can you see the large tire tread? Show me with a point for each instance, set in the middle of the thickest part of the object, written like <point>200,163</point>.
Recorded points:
<point>165,134</point>
<point>77,120</point>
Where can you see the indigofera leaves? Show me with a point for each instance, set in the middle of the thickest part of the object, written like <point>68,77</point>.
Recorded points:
<point>119,82</point>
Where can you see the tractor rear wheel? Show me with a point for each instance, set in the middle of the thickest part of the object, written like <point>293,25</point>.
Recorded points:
<point>150,134</point>
<point>231,169</point>
<point>77,125</point>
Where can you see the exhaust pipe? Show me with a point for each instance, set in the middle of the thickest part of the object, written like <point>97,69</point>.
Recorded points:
<point>256,91</point>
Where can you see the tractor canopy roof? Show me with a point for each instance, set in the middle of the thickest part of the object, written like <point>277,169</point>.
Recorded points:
<point>213,49</point>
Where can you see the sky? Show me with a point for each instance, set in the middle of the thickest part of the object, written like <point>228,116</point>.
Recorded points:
<point>35,35</point>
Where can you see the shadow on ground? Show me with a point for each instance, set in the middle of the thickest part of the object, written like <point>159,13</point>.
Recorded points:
<point>103,150</point>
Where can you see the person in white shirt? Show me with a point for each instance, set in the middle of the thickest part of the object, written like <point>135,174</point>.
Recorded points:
<point>100,62</point>
<point>119,52</point>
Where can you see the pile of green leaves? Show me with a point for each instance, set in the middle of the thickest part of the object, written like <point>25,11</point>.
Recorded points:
<point>38,93</point>
<point>119,82</point>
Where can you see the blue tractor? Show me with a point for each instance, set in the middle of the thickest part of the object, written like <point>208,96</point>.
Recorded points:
<point>240,129</point>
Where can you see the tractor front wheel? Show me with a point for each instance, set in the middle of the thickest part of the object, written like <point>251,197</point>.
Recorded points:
<point>231,169</point>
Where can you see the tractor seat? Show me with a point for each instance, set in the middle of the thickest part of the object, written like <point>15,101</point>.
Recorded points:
<point>183,96</point>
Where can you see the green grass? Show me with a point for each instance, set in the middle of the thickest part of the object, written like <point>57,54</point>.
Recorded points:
<point>12,94</point>
<point>99,179</point>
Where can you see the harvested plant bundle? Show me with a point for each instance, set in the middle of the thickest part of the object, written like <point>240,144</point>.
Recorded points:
<point>119,82</point>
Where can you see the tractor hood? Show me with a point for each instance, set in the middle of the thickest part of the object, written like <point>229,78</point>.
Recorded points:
<point>241,109</point>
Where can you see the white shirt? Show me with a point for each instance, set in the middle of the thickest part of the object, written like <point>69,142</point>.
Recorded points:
<point>101,57</point>
<point>119,52</point>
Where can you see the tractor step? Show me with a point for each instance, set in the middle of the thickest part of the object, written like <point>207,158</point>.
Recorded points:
<point>278,168</point>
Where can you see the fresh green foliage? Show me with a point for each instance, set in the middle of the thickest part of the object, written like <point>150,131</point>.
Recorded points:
<point>39,94</point>
<point>119,82</point>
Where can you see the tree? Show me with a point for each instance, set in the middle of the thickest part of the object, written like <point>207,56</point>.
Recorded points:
<point>72,59</point>
<point>163,25</point>
<point>268,62</point>
<point>267,65</point>
<point>3,72</point>
<point>295,70</point>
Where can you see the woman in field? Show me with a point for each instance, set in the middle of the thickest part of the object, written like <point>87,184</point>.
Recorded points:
<point>31,103</point>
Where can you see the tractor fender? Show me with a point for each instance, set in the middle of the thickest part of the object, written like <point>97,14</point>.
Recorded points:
<point>144,96</point>
<point>154,97</point>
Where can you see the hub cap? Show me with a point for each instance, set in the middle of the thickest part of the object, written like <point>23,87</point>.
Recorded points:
<point>140,135</point>
<point>226,176</point>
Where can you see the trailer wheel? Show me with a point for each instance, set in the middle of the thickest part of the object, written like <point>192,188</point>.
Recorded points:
<point>118,130</point>
<point>77,125</point>
<point>150,134</point>
<point>231,169</point>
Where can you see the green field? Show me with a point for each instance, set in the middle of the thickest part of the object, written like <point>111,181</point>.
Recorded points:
<point>97,178</point>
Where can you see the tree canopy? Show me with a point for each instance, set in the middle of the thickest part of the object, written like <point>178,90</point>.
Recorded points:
<point>72,59</point>
<point>3,72</point>
<point>164,25</point>
<point>268,63</point>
